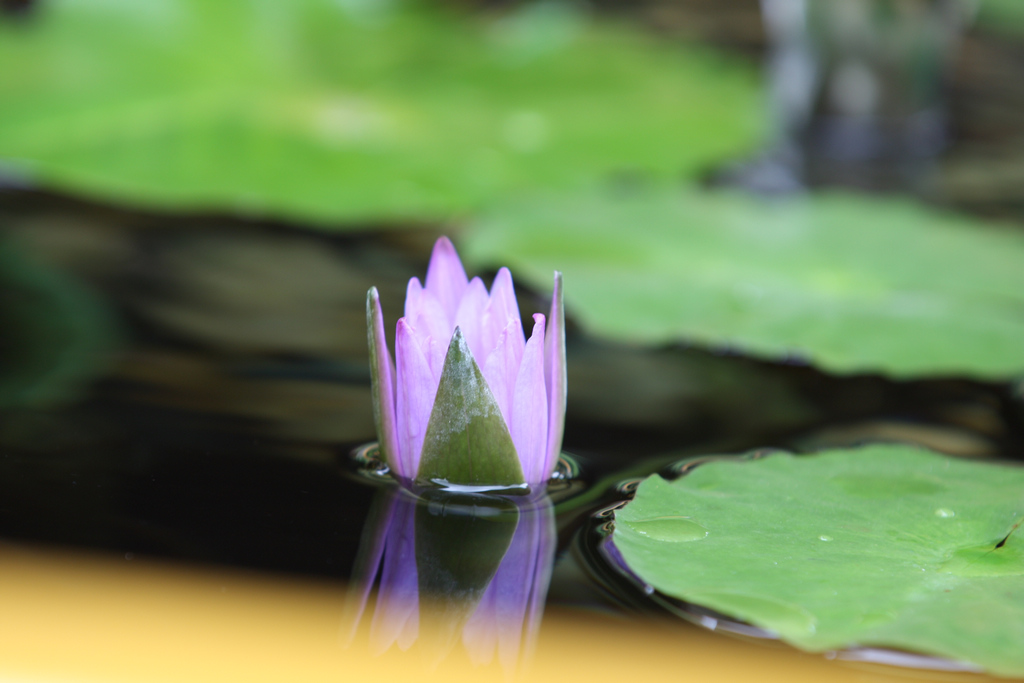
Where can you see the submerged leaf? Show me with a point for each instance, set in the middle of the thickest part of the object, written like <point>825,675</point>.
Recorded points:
<point>467,442</point>
<point>882,546</point>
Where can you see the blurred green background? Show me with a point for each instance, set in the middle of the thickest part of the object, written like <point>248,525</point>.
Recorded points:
<point>367,110</point>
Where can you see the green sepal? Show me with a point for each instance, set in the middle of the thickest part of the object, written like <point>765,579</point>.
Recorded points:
<point>467,441</point>
<point>382,373</point>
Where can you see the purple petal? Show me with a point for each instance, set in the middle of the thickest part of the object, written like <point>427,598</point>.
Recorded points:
<point>503,296</point>
<point>470,317</point>
<point>480,634</point>
<point>396,616</point>
<point>501,309</point>
<point>529,427</point>
<point>417,387</point>
<point>413,294</point>
<point>431,324</point>
<point>543,519</point>
<point>510,610</point>
<point>382,373</point>
<point>446,278</point>
<point>368,560</point>
<point>555,377</point>
<point>498,621</point>
<point>502,366</point>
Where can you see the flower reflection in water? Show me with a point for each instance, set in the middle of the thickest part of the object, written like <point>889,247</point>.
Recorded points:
<point>452,567</point>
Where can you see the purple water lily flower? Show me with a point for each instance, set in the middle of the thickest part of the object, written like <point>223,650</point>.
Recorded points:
<point>471,401</point>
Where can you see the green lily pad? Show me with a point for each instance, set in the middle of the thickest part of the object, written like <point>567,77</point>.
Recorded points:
<point>852,283</point>
<point>330,110</point>
<point>883,546</point>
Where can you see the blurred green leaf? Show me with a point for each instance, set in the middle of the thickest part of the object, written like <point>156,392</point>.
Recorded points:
<point>884,546</point>
<point>328,110</point>
<point>854,284</point>
<point>1002,16</point>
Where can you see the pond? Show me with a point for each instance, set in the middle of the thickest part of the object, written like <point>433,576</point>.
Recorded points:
<point>185,395</point>
<point>220,432</point>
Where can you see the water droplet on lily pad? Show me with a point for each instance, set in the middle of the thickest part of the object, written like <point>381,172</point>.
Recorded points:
<point>671,528</point>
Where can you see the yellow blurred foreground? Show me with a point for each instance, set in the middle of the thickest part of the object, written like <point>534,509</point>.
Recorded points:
<point>73,617</point>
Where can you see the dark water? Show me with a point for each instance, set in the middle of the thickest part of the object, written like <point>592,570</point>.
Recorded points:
<point>190,387</point>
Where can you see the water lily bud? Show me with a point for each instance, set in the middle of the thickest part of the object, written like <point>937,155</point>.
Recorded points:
<point>470,401</point>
